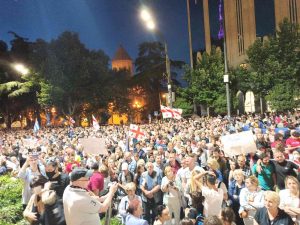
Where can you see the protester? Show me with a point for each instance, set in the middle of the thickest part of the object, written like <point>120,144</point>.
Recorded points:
<point>130,189</point>
<point>59,181</point>
<point>271,213</point>
<point>81,206</point>
<point>135,211</point>
<point>163,216</point>
<point>251,198</point>
<point>172,196</point>
<point>184,145</point>
<point>290,198</point>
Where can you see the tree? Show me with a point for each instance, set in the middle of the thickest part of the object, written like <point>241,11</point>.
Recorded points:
<point>73,75</point>
<point>151,71</point>
<point>205,81</point>
<point>275,65</point>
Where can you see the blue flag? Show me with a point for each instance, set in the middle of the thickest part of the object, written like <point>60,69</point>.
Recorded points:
<point>36,126</point>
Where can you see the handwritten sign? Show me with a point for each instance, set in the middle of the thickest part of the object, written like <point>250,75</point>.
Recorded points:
<point>240,143</point>
<point>93,145</point>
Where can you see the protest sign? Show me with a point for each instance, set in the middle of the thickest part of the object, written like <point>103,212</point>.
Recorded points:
<point>93,145</point>
<point>240,143</point>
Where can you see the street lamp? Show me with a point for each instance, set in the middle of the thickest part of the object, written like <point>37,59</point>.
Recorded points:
<point>150,24</point>
<point>21,69</point>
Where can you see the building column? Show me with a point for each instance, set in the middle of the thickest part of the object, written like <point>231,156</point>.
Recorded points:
<point>206,26</point>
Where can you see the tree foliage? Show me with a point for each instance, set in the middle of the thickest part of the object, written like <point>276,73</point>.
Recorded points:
<point>205,82</point>
<point>275,65</point>
<point>151,72</point>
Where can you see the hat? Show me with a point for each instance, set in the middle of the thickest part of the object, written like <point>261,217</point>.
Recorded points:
<point>80,172</point>
<point>124,166</point>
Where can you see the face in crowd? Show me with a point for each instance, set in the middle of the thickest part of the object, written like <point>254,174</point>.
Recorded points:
<point>279,157</point>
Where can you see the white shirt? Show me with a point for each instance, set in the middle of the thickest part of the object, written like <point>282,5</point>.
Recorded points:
<point>286,199</point>
<point>213,201</point>
<point>80,208</point>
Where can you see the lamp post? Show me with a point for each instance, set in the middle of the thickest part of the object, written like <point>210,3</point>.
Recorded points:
<point>150,24</point>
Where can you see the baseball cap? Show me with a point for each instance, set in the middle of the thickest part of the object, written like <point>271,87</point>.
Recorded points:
<point>78,173</point>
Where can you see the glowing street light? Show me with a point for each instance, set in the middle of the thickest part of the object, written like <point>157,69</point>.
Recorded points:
<point>21,69</point>
<point>149,22</point>
<point>150,25</point>
<point>145,15</point>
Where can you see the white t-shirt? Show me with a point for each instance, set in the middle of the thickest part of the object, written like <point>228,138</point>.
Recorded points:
<point>80,208</point>
<point>286,199</point>
<point>213,201</point>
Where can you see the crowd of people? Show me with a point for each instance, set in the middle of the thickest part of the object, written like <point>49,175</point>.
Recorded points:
<point>177,173</point>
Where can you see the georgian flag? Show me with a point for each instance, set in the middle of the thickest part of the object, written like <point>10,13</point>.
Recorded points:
<point>36,126</point>
<point>136,132</point>
<point>71,120</point>
<point>170,112</point>
<point>95,123</point>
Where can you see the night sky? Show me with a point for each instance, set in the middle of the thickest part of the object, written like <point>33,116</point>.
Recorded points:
<point>105,24</point>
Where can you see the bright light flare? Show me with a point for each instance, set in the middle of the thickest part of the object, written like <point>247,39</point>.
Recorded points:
<point>150,25</point>
<point>145,15</point>
<point>21,69</point>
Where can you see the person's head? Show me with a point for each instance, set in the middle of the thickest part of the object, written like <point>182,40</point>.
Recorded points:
<point>265,158</point>
<point>213,164</point>
<point>127,157</point>
<point>169,172</point>
<point>238,175</point>
<point>51,168</point>
<point>241,160</point>
<point>158,159</point>
<point>211,180</point>
<point>292,184</point>
<point>296,155</point>
<point>186,221</point>
<point>150,167</point>
<point>272,200</point>
<point>130,189</point>
<point>278,137</point>
<point>190,159</point>
<point>172,158</point>
<point>279,156</point>
<point>163,213</point>
<point>232,164</point>
<point>296,134</point>
<point>212,220</point>
<point>37,184</point>
<point>135,208</point>
<point>228,216</point>
<point>251,183</point>
<point>103,170</point>
<point>80,177</point>
<point>216,153</point>
<point>95,166</point>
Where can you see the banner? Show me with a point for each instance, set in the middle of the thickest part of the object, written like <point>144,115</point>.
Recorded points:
<point>240,143</point>
<point>93,145</point>
<point>136,132</point>
<point>170,112</point>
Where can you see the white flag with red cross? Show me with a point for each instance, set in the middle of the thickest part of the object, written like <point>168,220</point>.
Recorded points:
<point>71,120</point>
<point>170,112</point>
<point>136,132</point>
<point>95,123</point>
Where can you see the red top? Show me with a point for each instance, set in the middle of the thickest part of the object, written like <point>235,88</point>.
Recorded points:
<point>96,182</point>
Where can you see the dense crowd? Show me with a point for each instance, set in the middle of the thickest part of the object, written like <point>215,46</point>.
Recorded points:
<point>178,173</point>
